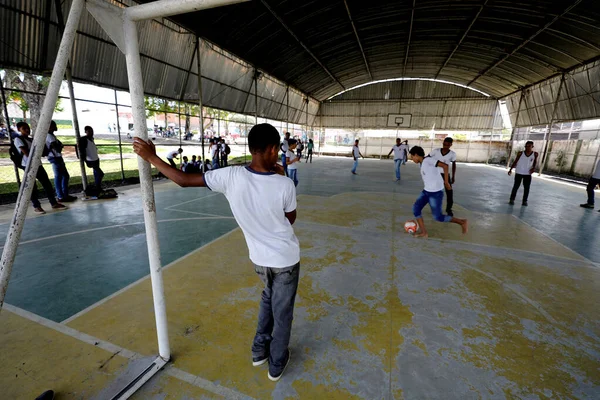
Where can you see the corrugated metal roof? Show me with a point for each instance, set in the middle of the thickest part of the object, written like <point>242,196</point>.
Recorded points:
<point>29,32</point>
<point>496,46</point>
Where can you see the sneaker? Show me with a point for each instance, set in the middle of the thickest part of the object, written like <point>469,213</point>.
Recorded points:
<point>354,173</point>
<point>586,205</point>
<point>450,213</point>
<point>276,377</point>
<point>257,361</point>
<point>524,204</point>
<point>39,210</point>
<point>511,202</point>
<point>59,206</point>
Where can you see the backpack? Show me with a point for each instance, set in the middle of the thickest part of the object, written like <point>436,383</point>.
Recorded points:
<point>227,149</point>
<point>15,155</point>
<point>58,146</point>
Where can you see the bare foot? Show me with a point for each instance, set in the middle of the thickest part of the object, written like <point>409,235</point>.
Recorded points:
<point>465,227</point>
<point>422,234</point>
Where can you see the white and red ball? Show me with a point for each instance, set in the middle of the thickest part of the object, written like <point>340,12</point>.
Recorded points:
<point>411,227</point>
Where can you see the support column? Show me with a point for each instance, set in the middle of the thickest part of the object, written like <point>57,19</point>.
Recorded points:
<point>136,89</point>
<point>39,142</point>
<point>5,106</point>
<point>199,54</point>
<point>255,96</point>
<point>514,129</point>
<point>119,136</point>
<point>487,161</point>
<point>287,105</point>
<point>552,119</point>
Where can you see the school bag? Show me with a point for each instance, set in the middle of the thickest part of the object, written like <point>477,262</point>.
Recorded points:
<point>227,149</point>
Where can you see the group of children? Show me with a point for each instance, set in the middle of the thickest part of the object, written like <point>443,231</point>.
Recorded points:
<point>289,158</point>
<point>88,151</point>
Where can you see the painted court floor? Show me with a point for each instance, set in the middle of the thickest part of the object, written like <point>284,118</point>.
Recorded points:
<point>507,311</point>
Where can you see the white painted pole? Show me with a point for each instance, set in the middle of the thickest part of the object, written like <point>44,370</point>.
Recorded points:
<point>136,90</point>
<point>39,141</point>
<point>166,8</point>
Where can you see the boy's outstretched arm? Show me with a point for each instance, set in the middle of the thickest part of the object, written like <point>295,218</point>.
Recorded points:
<point>147,151</point>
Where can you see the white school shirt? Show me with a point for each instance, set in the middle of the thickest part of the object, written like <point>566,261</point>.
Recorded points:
<point>431,175</point>
<point>403,150</point>
<point>284,146</point>
<point>398,152</point>
<point>289,155</point>
<point>355,152</point>
<point>259,202</point>
<point>52,153</point>
<point>446,159</point>
<point>91,151</point>
<point>172,154</point>
<point>19,142</point>
<point>597,171</point>
<point>525,163</point>
<point>213,151</point>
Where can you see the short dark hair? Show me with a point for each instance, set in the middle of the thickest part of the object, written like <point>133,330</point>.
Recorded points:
<point>261,137</point>
<point>88,128</point>
<point>292,141</point>
<point>356,140</point>
<point>417,151</point>
<point>529,141</point>
<point>21,124</point>
<point>449,140</point>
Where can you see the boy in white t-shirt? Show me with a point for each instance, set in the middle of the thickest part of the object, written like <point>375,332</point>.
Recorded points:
<point>448,157</point>
<point>399,150</point>
<point>433,192</point>
<point>292,160</point>
<point>355,154</point>
<point>263,203</point>
<point>525,163</point>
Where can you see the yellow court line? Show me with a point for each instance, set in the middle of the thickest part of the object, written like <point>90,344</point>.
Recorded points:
<point>126,288</point>
<point>177,373</point>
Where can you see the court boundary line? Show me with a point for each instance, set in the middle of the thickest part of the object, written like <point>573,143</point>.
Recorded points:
<point>105,345</point>
<point>191,201</point>
<point>116,226</point>
<point>597,265</point>
<point>137,282</point>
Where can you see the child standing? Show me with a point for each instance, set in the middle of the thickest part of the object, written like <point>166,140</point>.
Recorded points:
<point>355,154</point>
<point>525,164</point>
<point>264,205</point>
<point>399,150</point>
<point>292,160</point>
<point>433,192</point>
<point>448,157</point>
<point>310,147</point>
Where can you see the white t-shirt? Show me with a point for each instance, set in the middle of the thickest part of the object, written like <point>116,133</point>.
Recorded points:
<point>259,202</point>
<point>597,171</point>
<point>289,155</point>
<point>284,146</point>
<point>399,151</point>
<point>404,150</point>
<point>22,142</point>
<point>448,159</point>
<point>91,151</point>
<point>525,163</point>
<point>172,154</point>
<point>214,149</point>
<point>431,175</point>
<point>52,153</point>
<point>355,152</point>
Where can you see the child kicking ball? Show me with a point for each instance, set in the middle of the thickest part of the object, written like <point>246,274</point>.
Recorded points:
<point>433,192</point>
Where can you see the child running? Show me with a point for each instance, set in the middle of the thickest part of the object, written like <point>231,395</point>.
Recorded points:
<point>433,192</point>
<point>291,160</point>
<point>264,205</point>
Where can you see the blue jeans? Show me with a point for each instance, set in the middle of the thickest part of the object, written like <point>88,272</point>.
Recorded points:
<point>355,166</point>
<point>98,173</point>
<point>284,164</point>
<point>397,164</point>
<point>61,177</point>
<point>435,200</point>
<point>275,314</point>
<point>293,174</point>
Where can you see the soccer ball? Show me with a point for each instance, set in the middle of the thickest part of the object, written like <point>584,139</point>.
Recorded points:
<point>411,227</point>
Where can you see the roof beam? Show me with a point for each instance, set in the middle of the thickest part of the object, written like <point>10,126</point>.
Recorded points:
<point>410,29</point>
<point>278,18</point>
<point>358,40</point>
<point>462,38</point>
<point>529,39</point>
